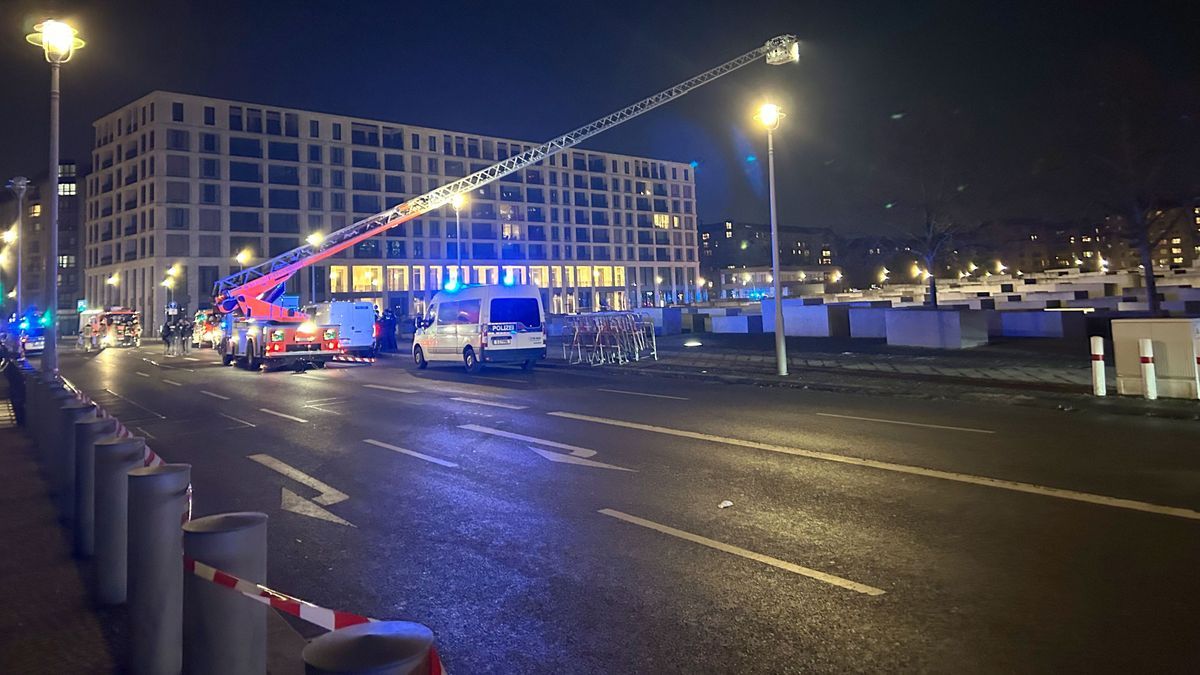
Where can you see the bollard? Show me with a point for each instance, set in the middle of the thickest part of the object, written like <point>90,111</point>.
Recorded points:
<point>1149,378</point>
<point>88,432</point>
<point>52,422</point>
<point>157,502</point>
<point>224,631</point>
<point>381,647</point>
<point>71,413</point>
<point>114,458</point>
<point>1099,387</point>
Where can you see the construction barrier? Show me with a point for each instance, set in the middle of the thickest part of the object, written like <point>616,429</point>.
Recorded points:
<point>608,338</point>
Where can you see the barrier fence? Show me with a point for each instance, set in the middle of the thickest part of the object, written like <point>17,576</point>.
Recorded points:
<point>131,511</point>
<point>608,338</point>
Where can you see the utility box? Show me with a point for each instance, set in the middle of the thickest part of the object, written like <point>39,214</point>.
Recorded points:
<point>1176,345</point>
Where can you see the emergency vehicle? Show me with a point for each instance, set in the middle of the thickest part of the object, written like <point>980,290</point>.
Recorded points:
<point>478,325</point>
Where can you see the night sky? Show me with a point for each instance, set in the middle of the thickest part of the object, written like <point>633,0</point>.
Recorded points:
<point>1011,72</point>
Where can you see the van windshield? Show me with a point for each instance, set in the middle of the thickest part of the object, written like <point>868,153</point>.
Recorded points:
<point>517,310</point>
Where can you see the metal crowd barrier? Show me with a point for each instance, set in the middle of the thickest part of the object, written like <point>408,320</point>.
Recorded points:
<point>605,338</point>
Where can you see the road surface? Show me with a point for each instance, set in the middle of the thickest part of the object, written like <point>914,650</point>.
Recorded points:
<point>570,521</point>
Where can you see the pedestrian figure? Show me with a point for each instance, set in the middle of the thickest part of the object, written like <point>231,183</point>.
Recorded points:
<point>166,338</point>
<point>186,336</point>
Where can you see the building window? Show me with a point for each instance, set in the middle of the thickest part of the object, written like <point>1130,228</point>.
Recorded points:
<point>176,111</point>
<point>245,147</point>
<point>178,139</point>
<point>210,115</point>
<point>337,131</point>
<point>235,118</point>
<point>66,189</point>
<point>314,129</point>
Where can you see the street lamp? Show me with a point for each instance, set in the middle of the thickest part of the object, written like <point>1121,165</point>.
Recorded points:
<point>457,202</point>
<point>169,284</point>
<point>314,240</point>
<point>18,185</point>
<point>769,116</point>
<point>58,42</point>
<point>113,281</point>
<point>244,256</point>
<point>173,270</point>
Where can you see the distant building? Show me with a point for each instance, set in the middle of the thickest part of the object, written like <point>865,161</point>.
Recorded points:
<point>756,283</point>
<point>192,180</point>
<point>729,244</point>
<point>36,244</point>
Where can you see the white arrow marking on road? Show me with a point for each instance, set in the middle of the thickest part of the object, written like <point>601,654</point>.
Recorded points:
<point>328,497</point>
<point>290,501</point>
<point>399,390</point>
<point>572,459</point>
<point>410,453</point>
<point>573,449</point>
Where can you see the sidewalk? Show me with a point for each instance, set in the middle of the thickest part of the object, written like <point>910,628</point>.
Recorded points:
<point>48,623</point>
<point>1050,373</point>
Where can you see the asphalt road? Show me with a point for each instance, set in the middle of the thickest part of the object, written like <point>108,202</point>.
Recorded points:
<point>568,521</point>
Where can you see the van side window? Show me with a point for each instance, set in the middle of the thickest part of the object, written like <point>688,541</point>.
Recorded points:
<point>430,314</point>
<point>468,312</point>
<point>447,313</point>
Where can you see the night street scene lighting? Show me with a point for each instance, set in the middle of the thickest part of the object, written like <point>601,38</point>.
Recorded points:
<point>814,338</point>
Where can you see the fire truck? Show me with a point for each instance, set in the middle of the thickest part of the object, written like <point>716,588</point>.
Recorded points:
<point>260,332</point>
<point>113,327</point>
<point>206,328</point>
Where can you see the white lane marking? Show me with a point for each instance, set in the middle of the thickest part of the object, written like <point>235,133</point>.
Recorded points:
<point>573,449</point>
<point>328,496</point>
<point>494,404</point>
<point>749,555</point>
<point>907,424</point>
<point>497,379</point>
<point>141,374</point>
<point>172,382</point>
<point>209,393</point>
<point>572,459</point>
<point>399,390</point>
<point>318,407</point>
<point>139,405</point>
<point>190,358</point>
<point>290,501</point>
<point>145,433</point>
<point>411,453</point>
<point>641,393</point>
<point>285,416</point>
<point>1015,486</point>
<point>320,400</point>
<point>236,419</point>
<point>307,376</point>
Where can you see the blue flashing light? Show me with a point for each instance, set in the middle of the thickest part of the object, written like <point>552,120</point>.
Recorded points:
<point>751,158</point>
<point>509,280</point>
<point>693,164</point>
<point>45,320</point>
<point>24,324</point>
<point>451,286</point>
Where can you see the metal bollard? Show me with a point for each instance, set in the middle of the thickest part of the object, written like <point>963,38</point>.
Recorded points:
<point>157,502</point>
<point>382,647</point>
<point>71,413</point>
<point>88,432</point>
<point>114,458</point>
<point>1149,378</point>
<point>223,631</point>
<point>1099,386</point>
<point>52,422</point>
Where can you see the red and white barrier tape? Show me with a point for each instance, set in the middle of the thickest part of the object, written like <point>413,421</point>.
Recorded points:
<point>346,358</point>
<point>329,619</point>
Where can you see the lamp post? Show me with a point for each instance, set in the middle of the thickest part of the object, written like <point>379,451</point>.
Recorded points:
<point>169,284</point>
<point>58,42</point>
<point>244,256</point>
<point>18,185</point>
<point>458,201</point>
<point>769,116</point>
<point>314,240</point>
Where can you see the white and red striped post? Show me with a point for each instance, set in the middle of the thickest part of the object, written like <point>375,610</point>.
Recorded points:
<point>1149,380</point>
<point>1099,386</point>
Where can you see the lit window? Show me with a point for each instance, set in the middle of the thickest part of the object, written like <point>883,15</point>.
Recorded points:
<point>662,220</point>
<point>1177,261</point>
<point>1176,240</point>
<point>729,235</point>
<point>66,189</point>
<point>367,278</point>
<point>35,210</point>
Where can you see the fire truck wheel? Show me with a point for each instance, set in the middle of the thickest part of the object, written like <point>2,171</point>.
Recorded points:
<point>470,361</point>
<point>252,360</point>
<point>226,357</point>
<point>419,358</point>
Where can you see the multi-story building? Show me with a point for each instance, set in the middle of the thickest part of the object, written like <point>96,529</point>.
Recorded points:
<point>726,244</point>
<point>194,181</point>
<point>35,245</point>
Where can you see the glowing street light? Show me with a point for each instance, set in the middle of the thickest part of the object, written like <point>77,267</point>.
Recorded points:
<point>916,271</point>
<point>113,280</point>
<point>971,267</point>
<point>58,41</point>
<point>315,239</point>
<point>1001,268</point>
<point>10,235</point>
<point>769,115</point>
<point>244,256</point>
<point>883,275</point>
<point>174,270</point>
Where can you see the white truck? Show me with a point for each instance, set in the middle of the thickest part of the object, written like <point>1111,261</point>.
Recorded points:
<point>355,321</point>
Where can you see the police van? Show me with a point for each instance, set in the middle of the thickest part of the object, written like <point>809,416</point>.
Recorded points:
<point>478,325</point>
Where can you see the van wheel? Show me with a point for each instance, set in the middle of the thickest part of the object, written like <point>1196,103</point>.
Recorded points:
<point>527,364</point>
<point>419,358</point>
<point>471,361</point>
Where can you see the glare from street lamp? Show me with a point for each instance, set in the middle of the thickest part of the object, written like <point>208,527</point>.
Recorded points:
<point>57,39</point>
<point>1001,268</point>
<point>458,201</point>
<point>769,115</point>
<point>10,235</point>
<point>113,280</point>
<point>244,256</point>
<point>315,239</point>
<point>168,282</point>
<point>173,270</point>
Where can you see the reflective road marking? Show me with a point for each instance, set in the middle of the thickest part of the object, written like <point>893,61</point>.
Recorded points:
<point>749,555</point>
<point>161,417</point>
<point>642,393</point>
<point>907,424</point>
<point>141,374</point>
<point>173,383</point>
<point>236,419</point>
<point>328,496</point>
<point>285,416</point>
<point>209,393</point>
<point>410,453</point>
<point>1015,486</point>
<point>494,404</point>
<point>573,449</point>
<point>399,390</point>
